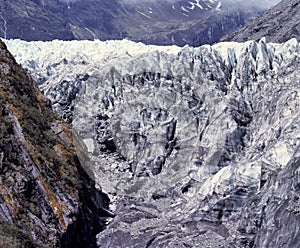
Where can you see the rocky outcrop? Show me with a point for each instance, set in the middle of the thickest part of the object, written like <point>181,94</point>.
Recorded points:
<point>44,191</point>
<point>278,24</point>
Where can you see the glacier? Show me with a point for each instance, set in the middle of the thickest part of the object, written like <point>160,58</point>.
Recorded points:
<point>195,146</point>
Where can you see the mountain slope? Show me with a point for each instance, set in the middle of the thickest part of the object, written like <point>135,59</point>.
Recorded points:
<point>44,191</point>
<point>177,22</point>
<point>197,147</point>
<point>279,24</point>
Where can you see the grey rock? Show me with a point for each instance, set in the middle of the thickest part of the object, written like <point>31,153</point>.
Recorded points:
<point>279,24</point>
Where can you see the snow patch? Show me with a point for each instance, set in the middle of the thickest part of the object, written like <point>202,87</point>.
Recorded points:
<point>89,144</point>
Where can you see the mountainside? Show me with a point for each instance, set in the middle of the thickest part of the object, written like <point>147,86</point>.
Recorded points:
<point>45,195</point>
<point>177,22</point>
<point>279,24</point>
<point>196,147</point>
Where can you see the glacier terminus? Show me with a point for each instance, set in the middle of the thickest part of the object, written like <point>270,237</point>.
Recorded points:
<point>195,146</point>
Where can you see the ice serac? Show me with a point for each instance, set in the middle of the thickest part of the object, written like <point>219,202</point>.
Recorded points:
<point>197,147</point>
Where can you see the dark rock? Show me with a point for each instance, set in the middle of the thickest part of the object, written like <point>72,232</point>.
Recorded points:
<point>279,24</point>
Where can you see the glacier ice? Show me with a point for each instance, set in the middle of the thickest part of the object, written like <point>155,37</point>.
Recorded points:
<point>180,138</point>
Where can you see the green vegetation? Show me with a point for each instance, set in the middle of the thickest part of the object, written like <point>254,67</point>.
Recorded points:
<point>12,237</point>
<point>24,111</point>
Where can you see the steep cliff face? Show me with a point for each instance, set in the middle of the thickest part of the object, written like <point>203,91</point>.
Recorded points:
<point>197,147</point>
<point>278,24</point>
<point>44,192</point>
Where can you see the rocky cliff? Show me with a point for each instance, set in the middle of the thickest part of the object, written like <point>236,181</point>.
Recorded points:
<point>279,24</point>
<point>45,195</point>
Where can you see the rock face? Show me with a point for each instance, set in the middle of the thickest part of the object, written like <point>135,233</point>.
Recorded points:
<point>278,24</point>
<point>177,22</point>
<point>44,191</point>
<point>197,147</point>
